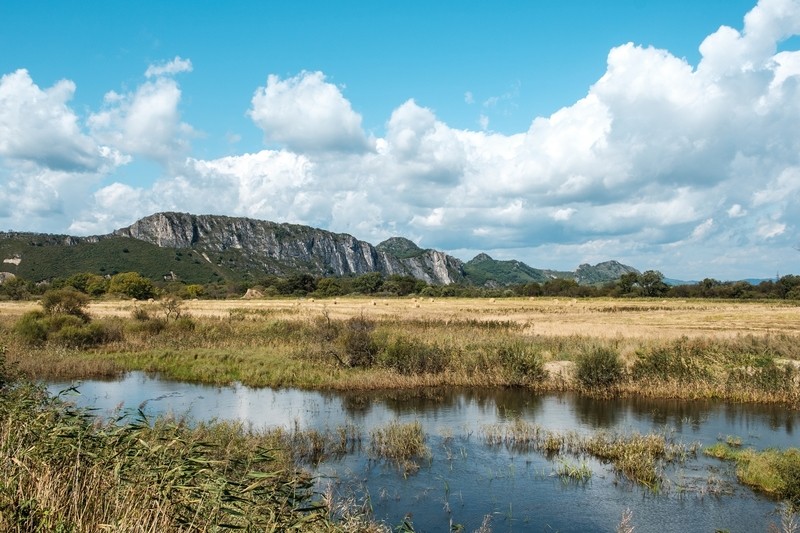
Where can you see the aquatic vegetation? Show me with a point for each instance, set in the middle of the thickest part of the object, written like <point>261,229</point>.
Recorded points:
<point>774,472</point>
<point>569,472</point>
<point>64,470</point>
<point>639,458</point>
<point>403,444</point>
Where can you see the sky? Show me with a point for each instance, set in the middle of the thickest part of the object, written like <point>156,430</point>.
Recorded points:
<point>663,134</point>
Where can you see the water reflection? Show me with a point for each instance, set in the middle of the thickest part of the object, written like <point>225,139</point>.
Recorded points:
<point>467,479</point>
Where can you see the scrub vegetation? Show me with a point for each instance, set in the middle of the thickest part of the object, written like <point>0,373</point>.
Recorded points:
<point>696,349</point>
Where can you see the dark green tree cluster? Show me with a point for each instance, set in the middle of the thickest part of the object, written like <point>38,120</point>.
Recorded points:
<point>649,284</point>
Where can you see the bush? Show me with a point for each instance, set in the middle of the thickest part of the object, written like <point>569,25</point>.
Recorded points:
<point>766,375</point>
<point>85,335</point>
<point>522,363</point>
<point>357,342</point>
<point>65,302</point>
<point>599,366</point>
<point>410,356</point>
<point>31,328</point>
<point>666,363</point>
<point>132,284</point>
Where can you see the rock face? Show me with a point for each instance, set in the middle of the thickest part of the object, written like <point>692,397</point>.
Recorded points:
<point>286,248</point>
<point>602,272</point>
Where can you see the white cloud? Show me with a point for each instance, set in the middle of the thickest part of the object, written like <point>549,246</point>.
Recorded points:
<point>469,98</point>
<point>769,230</point>
<point>145,122</point>
<point>307,114</point>
<point>169,68</point>
<point>563,214</point>
<point>37,125</point>
<point>736,211</point>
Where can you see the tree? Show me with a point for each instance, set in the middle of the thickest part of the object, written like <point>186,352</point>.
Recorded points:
<point>627,282</point>
<point>368,283</point>
<point>651,284</point>
<point>132,284</point>
<point>14,289</point>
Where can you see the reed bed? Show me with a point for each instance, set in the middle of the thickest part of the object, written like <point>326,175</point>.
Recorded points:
<point>402,444</point>
<point>64,470</point>
<point>639,458</point>
<point>773,472</point>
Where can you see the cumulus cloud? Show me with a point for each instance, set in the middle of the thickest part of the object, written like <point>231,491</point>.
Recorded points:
<point>307,114</point>
<point>145,122</point>
<point>169,68</point>
<point>37,125</point>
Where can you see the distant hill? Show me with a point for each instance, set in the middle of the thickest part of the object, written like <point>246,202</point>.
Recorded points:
<point>602,272</point>
<point>208,248</point>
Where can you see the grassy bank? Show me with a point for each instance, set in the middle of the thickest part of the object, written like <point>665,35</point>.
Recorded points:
<point>366,344</point>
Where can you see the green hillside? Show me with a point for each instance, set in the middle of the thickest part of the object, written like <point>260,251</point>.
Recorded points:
<point>43,257</point>
<point>483,270</point>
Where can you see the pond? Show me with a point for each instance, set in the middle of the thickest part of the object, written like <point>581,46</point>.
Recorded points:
<point>467,478</point>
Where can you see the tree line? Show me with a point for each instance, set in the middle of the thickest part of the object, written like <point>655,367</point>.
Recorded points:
<point>648,284</point>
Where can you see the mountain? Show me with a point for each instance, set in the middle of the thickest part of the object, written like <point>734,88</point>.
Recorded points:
<point>602,272</point>
<point>209,248</point>
<point>250,245</point>
<point>484,271</point>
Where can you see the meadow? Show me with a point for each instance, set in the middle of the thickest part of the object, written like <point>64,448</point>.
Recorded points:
<point>740,351</point>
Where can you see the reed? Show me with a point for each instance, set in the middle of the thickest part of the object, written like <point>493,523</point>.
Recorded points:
<point>402,444</point>
<point>64,470</point>
<point>773,472</point>
<point>639,458</point>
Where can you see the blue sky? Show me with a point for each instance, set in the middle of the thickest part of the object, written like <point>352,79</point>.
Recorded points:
<point>554,132</point>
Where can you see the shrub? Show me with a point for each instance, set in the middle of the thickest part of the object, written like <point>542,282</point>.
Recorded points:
<point>31,328</point>
<point>65,302</point>
<point>599,366</point>
<point>764,375</point>
<point>410,356</point>
<point>85,335</point>
<point>132,284</point>
<point>522,362</point>
<point>359,346</point>
<point>149,326</point>
<point>668,363</point>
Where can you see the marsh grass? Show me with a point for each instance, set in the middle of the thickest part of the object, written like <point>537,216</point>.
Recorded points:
<point>348,347</point>
<point>63,470</point>
<point>571,473</point>
<point>639,458</point>
<point>774,472</point>
<point>403,444</point>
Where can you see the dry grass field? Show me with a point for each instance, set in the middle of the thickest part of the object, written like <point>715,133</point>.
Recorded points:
<point>741,351</point>
<point>602,318</point>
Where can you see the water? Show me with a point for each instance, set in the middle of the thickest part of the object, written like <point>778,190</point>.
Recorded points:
<point>466,479</point>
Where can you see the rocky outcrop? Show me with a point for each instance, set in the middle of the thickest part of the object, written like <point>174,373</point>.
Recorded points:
<point>602,272</point>
<point>286,248</point>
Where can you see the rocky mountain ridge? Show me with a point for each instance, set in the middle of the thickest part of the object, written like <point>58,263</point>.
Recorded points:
<point>214,247</point>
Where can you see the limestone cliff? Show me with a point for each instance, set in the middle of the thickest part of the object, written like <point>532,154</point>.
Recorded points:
<point>287,248</point>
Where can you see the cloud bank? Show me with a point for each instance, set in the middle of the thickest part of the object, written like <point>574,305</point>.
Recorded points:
<point>694,170</point>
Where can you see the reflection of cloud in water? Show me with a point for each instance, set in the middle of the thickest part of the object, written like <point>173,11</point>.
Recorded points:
<point>459,409</point>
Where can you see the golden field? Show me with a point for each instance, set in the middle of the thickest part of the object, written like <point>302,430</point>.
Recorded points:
<point>741,351</point>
